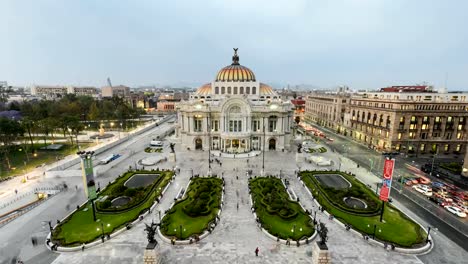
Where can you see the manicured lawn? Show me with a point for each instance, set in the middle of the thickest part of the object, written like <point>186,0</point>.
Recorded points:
<point>279,215</point>
<point>80,228</point>
<point>397,228</point>
<point>195,212</point>
<point>18,156</point>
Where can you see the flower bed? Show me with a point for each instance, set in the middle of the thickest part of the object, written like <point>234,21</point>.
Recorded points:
<point>280,216</point>
<point>397,228</point>
<point>80,227</point>
<point>153,150</point>
<point>191,216</point>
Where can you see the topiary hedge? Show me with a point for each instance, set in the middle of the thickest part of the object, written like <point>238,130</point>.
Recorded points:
<point>336,196</point>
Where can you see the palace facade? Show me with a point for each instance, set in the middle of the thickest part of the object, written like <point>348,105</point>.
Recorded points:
<point>235,114</point>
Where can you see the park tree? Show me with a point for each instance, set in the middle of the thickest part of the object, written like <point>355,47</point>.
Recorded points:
<point>10,130</point>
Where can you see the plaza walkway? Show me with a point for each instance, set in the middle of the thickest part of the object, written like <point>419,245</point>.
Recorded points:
<point>237,235</point>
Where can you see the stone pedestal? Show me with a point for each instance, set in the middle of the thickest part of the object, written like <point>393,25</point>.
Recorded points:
<point>320,254</point>
<point>152,255</point>
<point>172,157</point>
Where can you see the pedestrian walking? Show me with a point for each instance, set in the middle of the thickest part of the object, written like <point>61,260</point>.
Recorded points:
<point>16,191</point>
<point>82,247</point>
<point>256,252</point>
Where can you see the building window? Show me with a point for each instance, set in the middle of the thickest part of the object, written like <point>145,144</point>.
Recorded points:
<point>235,90</point>
<point>424,126</point>
<point>414,120</point>
<point>397,147</point>
<point>216,90</point>
<point>229,90</point>
<point>255,125</point>
<point>272,124</point>
<point>458,148</point>
<point>446,147</point>
<point>412,135</point>
<point>235,125</point>
<point>459,135</point>
<point>460,127</point>
<point>254,90</point>
<point>422,148</point>
<point>424,135</point>
<point>215,125</point>
<point>437,119</point>
<point>241,91</point>
<point>247,90</point>
<point>223,90</point>
<point>413,126</point>
<point>197,124</point>
<point>399,135</point>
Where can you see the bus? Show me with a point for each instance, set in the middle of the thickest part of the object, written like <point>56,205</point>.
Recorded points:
<point>109,158</point>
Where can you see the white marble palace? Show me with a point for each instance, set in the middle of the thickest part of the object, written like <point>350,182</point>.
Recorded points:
<point>235,114</point>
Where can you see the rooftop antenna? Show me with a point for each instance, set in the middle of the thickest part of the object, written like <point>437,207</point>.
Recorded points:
<point>109,82</point>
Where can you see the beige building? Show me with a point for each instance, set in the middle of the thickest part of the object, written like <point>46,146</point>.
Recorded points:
<point>408,122</point>
<point>326,109</point>
<point>55,92</point>
<point>120,91</point>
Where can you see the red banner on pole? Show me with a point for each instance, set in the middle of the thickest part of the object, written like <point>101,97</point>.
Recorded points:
<point>387,179</point>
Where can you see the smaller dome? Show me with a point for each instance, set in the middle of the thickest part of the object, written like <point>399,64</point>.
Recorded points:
<point>204,89</point>
<point>266,90</point>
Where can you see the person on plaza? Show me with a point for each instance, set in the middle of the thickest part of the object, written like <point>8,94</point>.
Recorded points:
<point>256,252</point>
<point>82,247</point>
<point>16,191</point>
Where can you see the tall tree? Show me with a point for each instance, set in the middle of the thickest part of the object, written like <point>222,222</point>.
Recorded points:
<point>9,132</point>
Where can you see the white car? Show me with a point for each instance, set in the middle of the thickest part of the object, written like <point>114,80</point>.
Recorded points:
<point>463,207</point>
<point>455,210</point>
<point>424,189</point>
<point>156,143</point>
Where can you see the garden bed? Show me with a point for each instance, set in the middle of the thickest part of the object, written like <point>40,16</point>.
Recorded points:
<point>194,214</point>
<point>280,216</point>
<point>397,228</point>
<point>79,227</point>
<point>153,150</point>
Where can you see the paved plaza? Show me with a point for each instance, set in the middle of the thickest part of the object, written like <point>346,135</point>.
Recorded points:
<point>237,235</point>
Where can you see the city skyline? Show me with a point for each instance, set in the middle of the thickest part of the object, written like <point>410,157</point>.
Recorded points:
<point>361,44</point>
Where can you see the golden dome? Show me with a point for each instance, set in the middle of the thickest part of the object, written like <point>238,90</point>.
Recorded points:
<point>235,72</point>
<point>266,90</point>
<point>204,89</point>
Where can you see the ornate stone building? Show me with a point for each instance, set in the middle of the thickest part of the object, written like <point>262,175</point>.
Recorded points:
<point>235,114</point>
<point>409,122</point>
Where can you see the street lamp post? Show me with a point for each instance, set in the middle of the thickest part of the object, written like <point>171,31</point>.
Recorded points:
<point>264,145</point>
<point>433,159</point>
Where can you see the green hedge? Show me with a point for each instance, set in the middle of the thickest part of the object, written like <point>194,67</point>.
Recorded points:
<point>196,211</point>
<point>397,228</point>
<point>335,196</point>
<point>137,195</point>
<point>80,227</point>
<point>276,212</point>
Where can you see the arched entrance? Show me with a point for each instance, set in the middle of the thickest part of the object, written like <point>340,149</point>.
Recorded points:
<point>198,143</point>
<point>272,144</point>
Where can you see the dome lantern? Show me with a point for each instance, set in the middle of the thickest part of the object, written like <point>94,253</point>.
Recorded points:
<point>235,72</point>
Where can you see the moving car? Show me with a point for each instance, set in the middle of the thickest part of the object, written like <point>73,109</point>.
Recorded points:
<point>438,201</point>
<point>109,158</point>
<point>424,189</point>
<point>455,210</point>
<point>156,143</point>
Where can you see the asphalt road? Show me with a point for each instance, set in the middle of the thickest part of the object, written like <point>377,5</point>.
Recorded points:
<point>453,227</point>
<point>15,238</point>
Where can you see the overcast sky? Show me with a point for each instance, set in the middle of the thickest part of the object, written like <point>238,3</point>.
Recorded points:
<point>359,43</point>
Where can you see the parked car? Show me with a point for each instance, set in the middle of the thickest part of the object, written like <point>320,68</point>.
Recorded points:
<point>463,207</point>
<point>424,189</point>
<point>455,210</point>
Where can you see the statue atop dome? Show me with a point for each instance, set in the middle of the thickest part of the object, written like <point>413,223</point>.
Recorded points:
<point>235,58</point>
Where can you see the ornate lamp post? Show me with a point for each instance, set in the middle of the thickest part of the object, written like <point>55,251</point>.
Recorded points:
<point>88,177</point>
